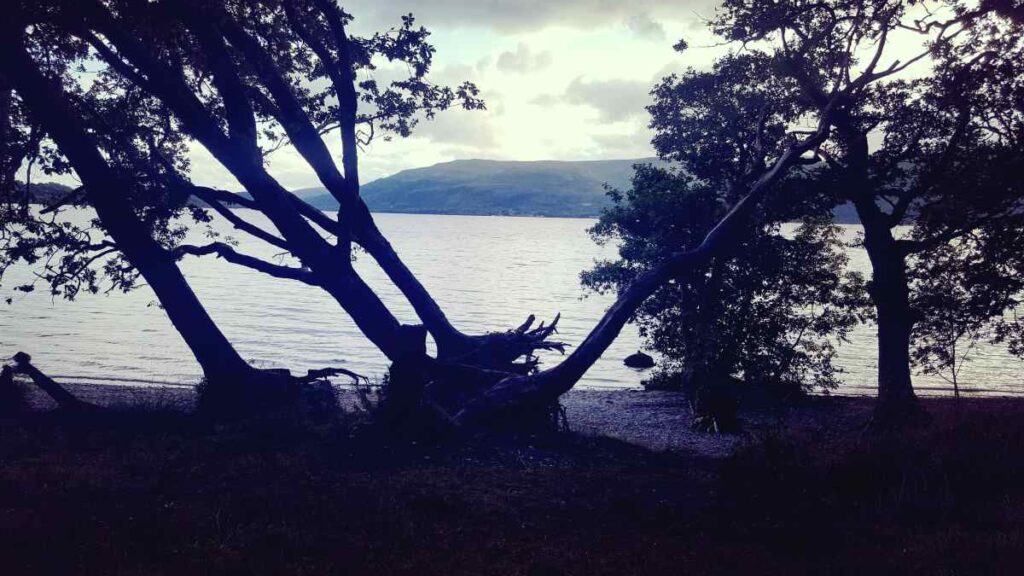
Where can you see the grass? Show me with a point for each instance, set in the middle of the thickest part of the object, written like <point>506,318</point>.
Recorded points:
<point>156,491</point>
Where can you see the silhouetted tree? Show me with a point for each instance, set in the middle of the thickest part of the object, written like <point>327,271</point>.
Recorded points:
<point>235,77</point>
<point>767,314</point>
<point>934,136</point>
<point>770,315</point>
<point>133,226</point>
<point>241,79</point>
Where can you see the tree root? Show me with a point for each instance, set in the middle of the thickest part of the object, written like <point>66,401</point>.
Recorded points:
<point>270,392</point>
<point>323,373</point>
<point>512,351</point>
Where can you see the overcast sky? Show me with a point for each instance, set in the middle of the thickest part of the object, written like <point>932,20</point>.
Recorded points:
<point>562,79</point>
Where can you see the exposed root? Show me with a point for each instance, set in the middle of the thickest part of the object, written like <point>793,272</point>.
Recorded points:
<point>512,351</point>
<point>450,386</point>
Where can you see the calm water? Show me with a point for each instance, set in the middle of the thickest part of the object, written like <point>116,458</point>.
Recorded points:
<point>488,273</point>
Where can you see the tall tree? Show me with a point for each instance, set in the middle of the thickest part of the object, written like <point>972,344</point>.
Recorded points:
<point>255,66</point>
<point>830,46</point>
<point>115,196</point>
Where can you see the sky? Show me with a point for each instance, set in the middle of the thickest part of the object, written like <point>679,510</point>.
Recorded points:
<point>562,80</point>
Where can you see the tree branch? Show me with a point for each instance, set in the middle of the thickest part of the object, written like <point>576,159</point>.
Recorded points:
<point>217,200</point>
<point>240,116</point>
<point>228,253</point>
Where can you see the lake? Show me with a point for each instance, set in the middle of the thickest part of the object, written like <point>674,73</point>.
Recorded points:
<point>488,273</point>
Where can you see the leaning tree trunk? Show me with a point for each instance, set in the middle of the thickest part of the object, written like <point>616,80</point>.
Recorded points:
<point>356,224</point>
<point>514,393</point>
<point>221,364</point>
<point>500,350</point>
<point>238,152</point>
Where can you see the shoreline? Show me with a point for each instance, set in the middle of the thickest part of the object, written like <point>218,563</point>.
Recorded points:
<point>655,420</point>
<point>630,491</point>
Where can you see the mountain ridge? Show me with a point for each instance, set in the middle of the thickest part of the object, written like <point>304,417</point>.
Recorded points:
<point>481,187</point>
<point>556,188</point>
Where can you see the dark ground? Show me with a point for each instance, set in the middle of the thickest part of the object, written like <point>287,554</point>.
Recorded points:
<point>137,492</point>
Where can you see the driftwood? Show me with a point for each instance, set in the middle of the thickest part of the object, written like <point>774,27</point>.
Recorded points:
<point>65,400</point>
<point>322,373</point>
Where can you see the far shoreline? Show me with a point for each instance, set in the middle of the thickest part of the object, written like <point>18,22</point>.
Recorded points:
<point>546,216</point>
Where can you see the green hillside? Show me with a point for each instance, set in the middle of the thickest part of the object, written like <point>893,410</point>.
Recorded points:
<point>492,187</point>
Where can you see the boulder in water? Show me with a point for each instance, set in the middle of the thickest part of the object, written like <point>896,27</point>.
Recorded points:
<point>639,360</point>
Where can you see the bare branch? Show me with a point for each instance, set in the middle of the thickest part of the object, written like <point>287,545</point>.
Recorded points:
<point>228,253</point>
<point>217,200</point>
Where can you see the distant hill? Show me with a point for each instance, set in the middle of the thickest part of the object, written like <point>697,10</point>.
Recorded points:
<point>484,187</point>
<point>44,192</point>
<point>494,187</point>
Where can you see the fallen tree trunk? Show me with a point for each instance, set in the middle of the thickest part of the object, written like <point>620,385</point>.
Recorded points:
<point>65,400</point>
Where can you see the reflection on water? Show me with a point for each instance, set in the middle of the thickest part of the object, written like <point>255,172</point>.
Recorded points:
<point>488,273</point>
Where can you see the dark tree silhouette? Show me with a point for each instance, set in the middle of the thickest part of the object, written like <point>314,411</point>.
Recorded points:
<point>194,70</point>
<point>770,316</point>
<point>243,78</point>
<point>109,192</point>
<point>768,313</point>
<point>232,74</point>
<point>933,131</point>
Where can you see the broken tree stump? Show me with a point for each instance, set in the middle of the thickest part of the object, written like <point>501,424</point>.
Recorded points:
<point>639,360</point>
<point>11,400</point>
<point>65,400</point>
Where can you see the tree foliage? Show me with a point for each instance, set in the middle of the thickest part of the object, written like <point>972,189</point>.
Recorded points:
<point>773,311</point>
<point>929,140</point>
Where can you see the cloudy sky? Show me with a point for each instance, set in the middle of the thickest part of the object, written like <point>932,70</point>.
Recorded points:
<point>562,79</point>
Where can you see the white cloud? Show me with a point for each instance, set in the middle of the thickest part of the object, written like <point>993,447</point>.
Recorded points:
<point>615,100</point>
<point>643,26</point>
<point>469,129</point>
<point>523,60</point>
<point>512,16</point>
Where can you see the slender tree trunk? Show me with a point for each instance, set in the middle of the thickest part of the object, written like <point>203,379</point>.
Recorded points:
<point>220,362</point>
<point>447,337</point>
<point>353,214</point>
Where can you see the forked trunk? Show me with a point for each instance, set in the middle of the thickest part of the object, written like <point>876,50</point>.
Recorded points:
<point>890,294</point>
<point>889,288</point>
